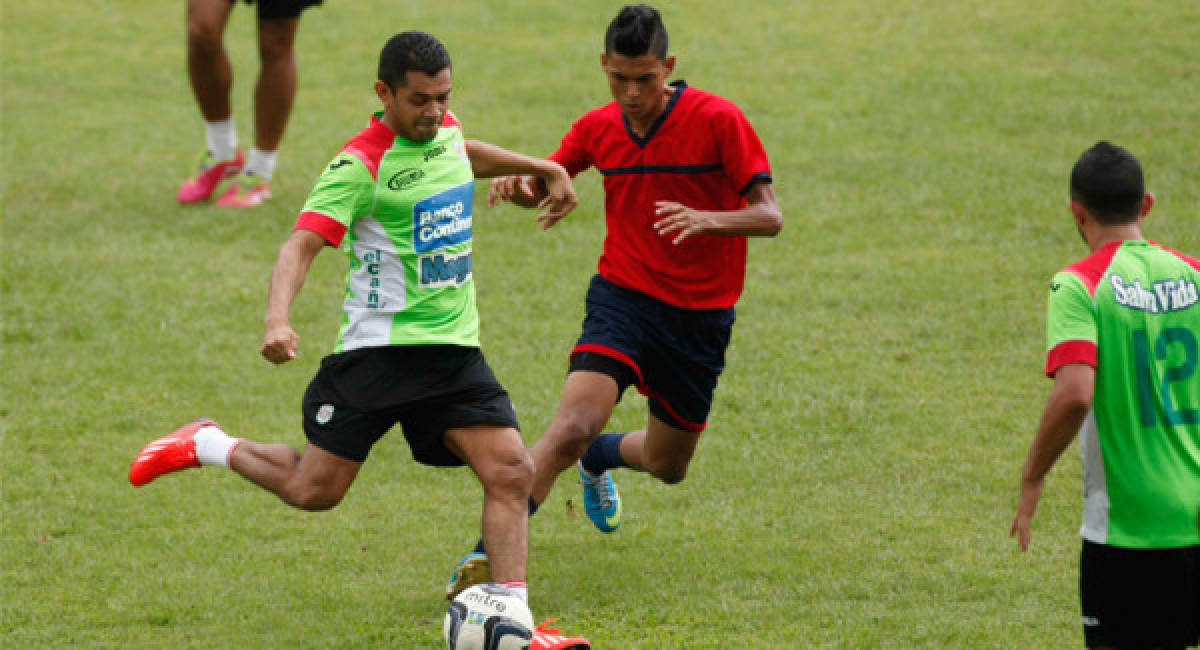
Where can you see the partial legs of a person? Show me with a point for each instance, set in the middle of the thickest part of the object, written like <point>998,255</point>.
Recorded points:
<point>313,480</point>
<point>498,457</point>
<point>274,94</point>
<point>587,402</point>
<point>586,405</point>
<point>211,77</point>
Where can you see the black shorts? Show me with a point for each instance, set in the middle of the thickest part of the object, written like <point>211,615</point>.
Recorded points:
<point>1135,598</point>
<point>272,9</point>
<point>357,396</point>
<point>673,355</point>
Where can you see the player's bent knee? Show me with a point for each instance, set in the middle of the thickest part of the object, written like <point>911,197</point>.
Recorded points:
<point>669,472</point>
<point>573,434</point>
<point>510,474</point>
<point>312,498</point>
<point>203,39</point>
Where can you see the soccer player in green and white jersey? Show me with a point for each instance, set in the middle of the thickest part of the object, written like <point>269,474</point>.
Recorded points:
<point>1123,349</point>
<point>399,195</point>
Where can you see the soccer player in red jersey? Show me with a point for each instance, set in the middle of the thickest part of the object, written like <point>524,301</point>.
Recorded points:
<point>686,180</point>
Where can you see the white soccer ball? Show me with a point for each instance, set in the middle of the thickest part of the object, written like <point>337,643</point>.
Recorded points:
<point>488,617</point>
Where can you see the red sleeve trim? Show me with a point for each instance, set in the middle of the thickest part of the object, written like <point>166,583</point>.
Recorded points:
<point>324,225</point>
<point>1070,352</point>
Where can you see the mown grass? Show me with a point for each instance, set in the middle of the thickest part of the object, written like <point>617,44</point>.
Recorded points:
<point>856,483</point>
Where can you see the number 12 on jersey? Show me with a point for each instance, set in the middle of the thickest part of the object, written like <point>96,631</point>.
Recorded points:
<point>1148,391</point>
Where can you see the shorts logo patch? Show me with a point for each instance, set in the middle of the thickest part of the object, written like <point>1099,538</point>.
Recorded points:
<point>1091,621</point>
<point>443,219</point>
<point>325,414</point>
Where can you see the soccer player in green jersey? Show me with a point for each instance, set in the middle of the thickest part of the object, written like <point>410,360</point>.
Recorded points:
<point>398,196</point>
<point>1123,332</point>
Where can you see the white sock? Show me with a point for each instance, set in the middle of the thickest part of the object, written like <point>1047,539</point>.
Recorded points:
<point>519,587</point>
<point>213,446</point>
<point>221,138</point>
<point>260,163</point>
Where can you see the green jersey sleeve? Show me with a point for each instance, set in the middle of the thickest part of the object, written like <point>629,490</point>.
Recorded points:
<point>1070,323</point>
<point>344,191</point>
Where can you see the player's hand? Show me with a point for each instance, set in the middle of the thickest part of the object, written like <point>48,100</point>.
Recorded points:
<point>560,197</point>
<point>1022,524</point>
<point>681,221</point>
<point>525,191</point>
<point>279,343</point>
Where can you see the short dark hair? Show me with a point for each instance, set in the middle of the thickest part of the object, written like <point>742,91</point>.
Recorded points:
<point>411,51</point>
<point>636,30</point>
<point>1108,181</point>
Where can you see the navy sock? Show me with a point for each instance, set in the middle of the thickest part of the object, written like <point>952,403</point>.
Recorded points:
<point>533,506</point>
<point>604,454</point>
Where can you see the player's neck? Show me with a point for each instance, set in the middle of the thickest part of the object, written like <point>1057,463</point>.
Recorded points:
<point>1113,234</point>
<point>641,125</point>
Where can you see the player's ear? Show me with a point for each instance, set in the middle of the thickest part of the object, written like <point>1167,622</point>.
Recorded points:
<point>604,59</point>
<point>669,64</point>
<point>1080,212</point>
<point>384,93</point>
<point>1147,203</point>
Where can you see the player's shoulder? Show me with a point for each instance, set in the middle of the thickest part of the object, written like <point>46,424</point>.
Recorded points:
<point>1186,259</point>
<point>599,117</point>
<point>1091,269</point>
<point>704,102</point>
<point>367,148</point>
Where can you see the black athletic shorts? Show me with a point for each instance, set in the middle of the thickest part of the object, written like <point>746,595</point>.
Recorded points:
<point>672,355</point>
<point>272,9</point>
<point>1140,598</point>
<point>357,396</point>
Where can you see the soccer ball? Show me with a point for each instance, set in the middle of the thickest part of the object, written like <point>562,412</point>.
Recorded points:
<point>488,617</point>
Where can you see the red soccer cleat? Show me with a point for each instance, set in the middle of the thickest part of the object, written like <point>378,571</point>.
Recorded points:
<point>212,172</point>
<point>168,454</point>
<point>548,638</point>
<point>245,191</point>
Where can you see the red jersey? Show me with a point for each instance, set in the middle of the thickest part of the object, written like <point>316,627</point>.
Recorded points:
<point>701,152</point>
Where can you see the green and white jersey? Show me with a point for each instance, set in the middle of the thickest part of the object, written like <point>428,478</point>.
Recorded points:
<point>1132,311</point>
<point>404,211</point>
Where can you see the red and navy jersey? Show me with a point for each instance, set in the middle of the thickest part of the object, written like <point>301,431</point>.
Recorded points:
<point>701,152</point>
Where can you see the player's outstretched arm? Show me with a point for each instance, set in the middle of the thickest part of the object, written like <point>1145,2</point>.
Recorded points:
<point>1067,406</point>
<point>280,341</point>
<point>761,217</point>
<point>488,160</point>
<point>525,191</point>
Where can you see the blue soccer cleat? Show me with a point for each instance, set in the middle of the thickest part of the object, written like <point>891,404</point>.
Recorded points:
<point>471,570</point>
<point>600,499</point>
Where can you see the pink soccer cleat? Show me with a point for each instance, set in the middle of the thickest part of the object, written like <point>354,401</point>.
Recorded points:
<point>212,172</point>
<point>247,190</point>
<point>168,454</point>
<point>548,638</point>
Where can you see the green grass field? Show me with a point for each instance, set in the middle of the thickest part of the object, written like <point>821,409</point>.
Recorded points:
<point>855,485</point>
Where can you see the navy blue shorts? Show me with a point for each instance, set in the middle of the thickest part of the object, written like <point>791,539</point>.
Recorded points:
<point>673,355</point>
<point>357,396</point>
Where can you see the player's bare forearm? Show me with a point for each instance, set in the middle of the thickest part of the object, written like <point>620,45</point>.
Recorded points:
<point>1066,408</point>
<point>559,197</point>
<point>291,267</point>
<point>761,217</point>
<point>488,160</point>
